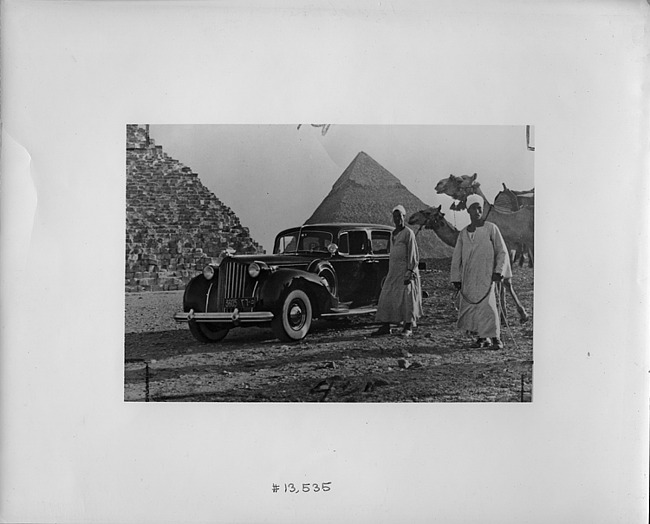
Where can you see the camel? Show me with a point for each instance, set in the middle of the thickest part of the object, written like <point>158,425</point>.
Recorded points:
<point>434,218</point>
<point>517,227</point>
<point>511,200</point>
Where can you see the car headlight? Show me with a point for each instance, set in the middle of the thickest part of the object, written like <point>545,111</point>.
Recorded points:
<point>208,272</point>
<point>254,270</point>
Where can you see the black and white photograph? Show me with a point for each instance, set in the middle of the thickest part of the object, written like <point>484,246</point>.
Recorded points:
<point>324,261</point>
<point>297,263</point>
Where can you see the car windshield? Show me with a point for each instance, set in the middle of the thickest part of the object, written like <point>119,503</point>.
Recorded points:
<point>302,241</point>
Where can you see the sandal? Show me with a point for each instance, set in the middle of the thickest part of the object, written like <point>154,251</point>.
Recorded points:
<point>496,344</point>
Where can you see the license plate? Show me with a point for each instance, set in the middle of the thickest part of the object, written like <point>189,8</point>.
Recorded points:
<point>240,303</point>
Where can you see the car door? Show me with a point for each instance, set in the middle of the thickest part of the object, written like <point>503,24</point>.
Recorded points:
<point>355,268</point>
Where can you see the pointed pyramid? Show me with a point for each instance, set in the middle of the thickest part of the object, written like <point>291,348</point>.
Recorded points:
<point>367,192</point>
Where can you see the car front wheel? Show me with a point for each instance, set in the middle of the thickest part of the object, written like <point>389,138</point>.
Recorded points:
<point>293,319</point>
<point>208,333</point>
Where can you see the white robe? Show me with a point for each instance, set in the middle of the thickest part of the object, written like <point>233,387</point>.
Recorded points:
<point>473,263</point>
<point>399,302</point>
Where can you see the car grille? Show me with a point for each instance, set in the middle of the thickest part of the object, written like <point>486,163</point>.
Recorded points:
<point>234,282</point>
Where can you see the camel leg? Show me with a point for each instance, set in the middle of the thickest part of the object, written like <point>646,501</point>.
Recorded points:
<point>518,254</point>
<point>530,256</point>
<point>523,316</point>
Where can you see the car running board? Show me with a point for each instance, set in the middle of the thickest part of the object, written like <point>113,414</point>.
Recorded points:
<point>345,312</point>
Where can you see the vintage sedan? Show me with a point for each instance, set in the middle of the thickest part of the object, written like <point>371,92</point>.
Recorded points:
<point>315,271</point>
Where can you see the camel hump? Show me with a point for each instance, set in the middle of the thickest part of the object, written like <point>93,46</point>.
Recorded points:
<point>507,200</point>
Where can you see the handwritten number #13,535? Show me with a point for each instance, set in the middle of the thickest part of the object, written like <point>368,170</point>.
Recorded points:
<point>306,488</point>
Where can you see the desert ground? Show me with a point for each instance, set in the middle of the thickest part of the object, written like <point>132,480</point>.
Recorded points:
<point>338,361</point>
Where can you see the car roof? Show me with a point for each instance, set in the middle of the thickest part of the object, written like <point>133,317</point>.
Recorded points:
<point>340,225</point>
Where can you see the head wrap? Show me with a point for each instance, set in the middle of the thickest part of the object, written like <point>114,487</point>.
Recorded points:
<point>400,208</point>
<point>474,199</point>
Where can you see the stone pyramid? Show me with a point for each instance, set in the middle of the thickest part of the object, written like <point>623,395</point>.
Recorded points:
<point>367,192</point>
<point>174,224</point>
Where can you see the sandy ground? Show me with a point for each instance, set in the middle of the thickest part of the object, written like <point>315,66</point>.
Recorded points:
<point>337,362</point>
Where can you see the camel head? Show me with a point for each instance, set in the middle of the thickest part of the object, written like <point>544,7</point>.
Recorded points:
<point>458,188</point>
<point>468,183</point>
<point>446,184</point>
<point>429,218</point>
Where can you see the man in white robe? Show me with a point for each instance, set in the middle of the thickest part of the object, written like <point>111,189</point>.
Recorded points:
<point>480,259</point>
<point>400,300</point>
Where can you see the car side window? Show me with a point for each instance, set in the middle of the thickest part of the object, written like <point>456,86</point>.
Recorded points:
<point>344,244</point>
<point>380,242</point>
<point>353,243</point>
<point>286,244</point>
<point>315,241</point>
<point>358,242</point>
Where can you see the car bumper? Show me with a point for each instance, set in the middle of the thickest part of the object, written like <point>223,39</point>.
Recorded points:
<point>242,317</point>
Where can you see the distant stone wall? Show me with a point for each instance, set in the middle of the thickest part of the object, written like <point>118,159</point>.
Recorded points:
<point>174,224</point>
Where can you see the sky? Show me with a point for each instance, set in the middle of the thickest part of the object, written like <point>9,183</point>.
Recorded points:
<point>275,176</point>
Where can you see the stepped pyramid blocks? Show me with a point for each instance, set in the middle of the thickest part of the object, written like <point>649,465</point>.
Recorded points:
<point>367,192</point>
<point>174,224</point>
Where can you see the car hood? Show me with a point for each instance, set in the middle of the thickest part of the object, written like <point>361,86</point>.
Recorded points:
<point>280,260</point>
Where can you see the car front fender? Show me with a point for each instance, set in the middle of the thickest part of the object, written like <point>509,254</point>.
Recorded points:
<point>196,294</point>
<point>272,290</point>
